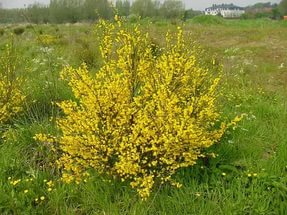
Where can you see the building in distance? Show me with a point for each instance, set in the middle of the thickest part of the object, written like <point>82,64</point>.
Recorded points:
<point>225,10</point>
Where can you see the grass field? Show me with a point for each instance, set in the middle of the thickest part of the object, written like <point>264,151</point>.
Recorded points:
<point>249,175</point>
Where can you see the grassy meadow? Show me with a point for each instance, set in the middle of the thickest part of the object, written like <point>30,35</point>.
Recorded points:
<point>249,175</point>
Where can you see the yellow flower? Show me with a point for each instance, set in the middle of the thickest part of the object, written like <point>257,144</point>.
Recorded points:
<point>223,174</point>
<point>11,98</point>
<point>14,183</point>
<point>50,183</point>
<point>26,191</point>
<point>42,198</point>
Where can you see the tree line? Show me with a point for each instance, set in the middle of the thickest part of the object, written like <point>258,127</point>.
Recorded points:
<point>265,10</point>
<point>71,11</point>
<point>63,11</point>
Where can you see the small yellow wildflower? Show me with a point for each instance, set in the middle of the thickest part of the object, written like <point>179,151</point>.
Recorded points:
<point>14,183</point>
<point>49,189</point>
<point>42,198</point>
<point>213,155</point>
<point>36,200</point>
<point>197,194</point>
<point>116,18</point>
<point>26,191</point>
<point>50,183</point>
<point>223,174</point>
<point>249,174</point>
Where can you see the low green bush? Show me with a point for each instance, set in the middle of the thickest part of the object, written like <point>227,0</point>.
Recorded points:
<point>19,30</point>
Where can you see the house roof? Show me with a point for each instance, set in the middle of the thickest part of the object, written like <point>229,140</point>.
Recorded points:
<point>224,6</point>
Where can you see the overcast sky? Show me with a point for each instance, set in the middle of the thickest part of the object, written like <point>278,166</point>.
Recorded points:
<point>195,4</point>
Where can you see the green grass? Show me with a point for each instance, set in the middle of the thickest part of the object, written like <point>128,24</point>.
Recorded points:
<point>254,56</point>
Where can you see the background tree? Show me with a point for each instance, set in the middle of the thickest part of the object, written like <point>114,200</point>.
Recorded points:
<point>38,13</point>
<point>262,10</point>
<point>172,9</point>
<point>190,13</point>
<point>276,13</point>
<point>78,10</point>
<point>66,10</point>
<point>94,9</point>
<point>283,7</point>
<point>145,8</point>
<point>123,7</point>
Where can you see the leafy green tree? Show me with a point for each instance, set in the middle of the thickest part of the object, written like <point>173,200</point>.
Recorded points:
<point>38,13</point>
<point>77,10</point>
<point>145,8</point>
<point>188,14</point>
<point>123,7</point>
<point>283,7</point>
<point>94,9</point>
<point>276,13</point>
<point>172,9</point>
<point>66,10</point>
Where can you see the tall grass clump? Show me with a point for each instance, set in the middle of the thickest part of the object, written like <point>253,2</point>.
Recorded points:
<point>2,32</point>
<point>142,117</point>
<point>11,97</point>
<point>208,20</point>
<point>19,30</point>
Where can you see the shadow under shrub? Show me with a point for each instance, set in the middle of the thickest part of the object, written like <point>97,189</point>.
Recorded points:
<point>19,30</point>
<point>142,117</point>
<point>2,32</point>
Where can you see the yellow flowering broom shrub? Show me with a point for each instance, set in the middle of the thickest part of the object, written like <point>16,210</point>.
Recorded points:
<point>47,39</point>
<point>141,117</point>
<point>11,97</point>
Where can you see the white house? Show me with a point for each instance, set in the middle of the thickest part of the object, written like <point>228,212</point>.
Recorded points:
<point>226,10</point>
